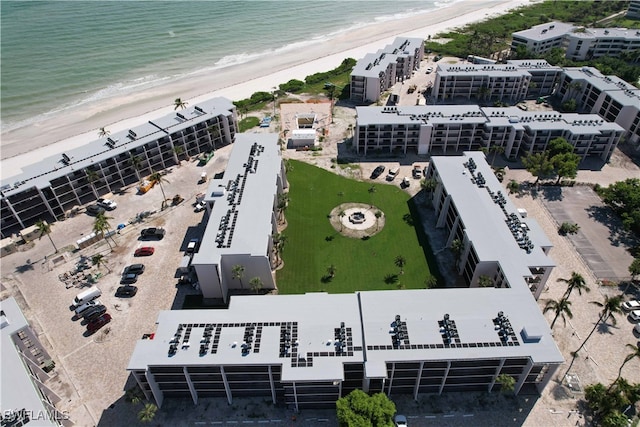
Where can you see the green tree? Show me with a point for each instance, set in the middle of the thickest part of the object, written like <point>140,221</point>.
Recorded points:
<point>538,165</point>
<point>400,262</point>
<point>634,268</point>
<point>457,246</point>
<point>635,354</point>
<point>331,271</point>
<point>43,228</point>
<point>256,284</point>
<point>485,281</point>
<point>134,395</point>
<point>430,282</point>
<point>513,187</point>
<point>495,149</point>
<point>577,282</point>
<point>177,151</point>
<point>560,308</point>
<point>136,162</point>
<point>565,165</point>
<point>157,178</point>
<point>148,413</point>
<point>179,103</point>
<point>507,383</point>
<point>99,260</point>
<point>624,198</point>
<point>357,409</point>
<point>378,215</point>
<point>103,132</point>
<point>101,226</point>
<point>429,186</point>
<point>237,272</point>
<point>610,307</point>
<point>568,228</point>
<point>279,242</point>
<point>341,215</point>
<point>283,204</point>
<point>92,178</point>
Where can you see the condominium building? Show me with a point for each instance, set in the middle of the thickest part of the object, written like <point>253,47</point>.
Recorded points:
<point>377,72</point>
<point>498,241</point>
<point>242,218</point>
<point>634,9</point>
<point>512,81</point>
<point>579,43</point>
<point>442,129</point>
<point>306,351</point>
<point>610,97</point>
<point>27,397</point>
<point>51,187</point>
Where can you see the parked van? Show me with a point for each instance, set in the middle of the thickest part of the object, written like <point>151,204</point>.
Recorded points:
<point>86,306</point>
<point>392,174</point>
<point>86,296</point>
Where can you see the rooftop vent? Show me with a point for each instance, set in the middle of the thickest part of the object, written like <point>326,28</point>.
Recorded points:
<point>65,159</point>
<point>181,116</point>
<point>198,109</point>
<point>132,134</point>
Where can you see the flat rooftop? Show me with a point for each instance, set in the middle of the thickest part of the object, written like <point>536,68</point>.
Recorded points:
<point>243,199</point>
<point>488,214</point>
<point>40,174</point>
<point>315,322</point>
<point>542,32</point>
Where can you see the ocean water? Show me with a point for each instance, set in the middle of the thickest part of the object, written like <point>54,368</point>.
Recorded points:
<point>57,55</point>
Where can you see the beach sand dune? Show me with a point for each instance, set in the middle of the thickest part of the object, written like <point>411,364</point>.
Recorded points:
<point>52,136</point>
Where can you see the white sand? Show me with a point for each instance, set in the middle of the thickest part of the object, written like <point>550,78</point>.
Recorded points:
<point>53,136</point>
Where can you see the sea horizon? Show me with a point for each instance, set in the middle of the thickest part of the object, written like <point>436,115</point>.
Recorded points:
<point>134,49</point>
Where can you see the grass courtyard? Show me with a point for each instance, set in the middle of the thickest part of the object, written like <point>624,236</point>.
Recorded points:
<point>360,264</point>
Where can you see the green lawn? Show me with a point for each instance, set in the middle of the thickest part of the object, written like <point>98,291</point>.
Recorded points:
<point>360,264</point>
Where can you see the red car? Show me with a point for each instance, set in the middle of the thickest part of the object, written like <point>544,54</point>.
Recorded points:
<point>144,251</point>
<point>98,323</point>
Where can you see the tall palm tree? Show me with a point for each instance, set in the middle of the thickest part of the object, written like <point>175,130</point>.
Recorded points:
<point>400,262</point>
<point>92,177</point>
<point>101,226</point>
<point>610,306</point>
<point>256,284</point>
<point>179,103</point>
<point>99,260</point>
<point>378,215</point>
<point>561,308</point>
<point>177,152</point>
<point>237,272</point>
<point>635,354</point>
<point>576,282</point>
<point>341,215</point>
<point>214,134</point>
<point>147,414</point>
<point>43,228</point>
<point>457,247</point>
<point>136,162</point>
<point>103,132</point>
<point>496,149</point>
<point>157,178</point>
<point>513,186</point>
<point>279,241</point>
<point>485,281</point>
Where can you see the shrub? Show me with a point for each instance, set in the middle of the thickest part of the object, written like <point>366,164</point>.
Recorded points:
<point>568,228</point>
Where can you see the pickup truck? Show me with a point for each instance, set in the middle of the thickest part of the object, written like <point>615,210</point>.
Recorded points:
<point>152,233</point>
<point>392,174</point>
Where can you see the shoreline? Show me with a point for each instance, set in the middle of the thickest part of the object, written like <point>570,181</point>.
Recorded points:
<point>49,137</point>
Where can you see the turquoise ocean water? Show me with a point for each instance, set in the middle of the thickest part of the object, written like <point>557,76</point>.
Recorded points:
<point>57,55</point>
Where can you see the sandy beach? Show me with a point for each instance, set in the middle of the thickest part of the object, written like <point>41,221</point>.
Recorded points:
<point>52,136</point>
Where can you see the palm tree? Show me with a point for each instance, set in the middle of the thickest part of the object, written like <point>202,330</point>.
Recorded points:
<point>157,178</point>
<point>283,203</point>
<point>136,162</point>
<point>101,226</point>
<point>378,215</point>
<point>341,215</point>
<point>147,414</point>
<point>103,132</point>
<point>634,268</point>
<point>485,281</point>
<point>279,241</point>
<point>430,282</point>
<point>496,149</point>
<point>92,177</point>
<point>483,92</point>
<point>635,354</point>
<point>179,103</point>
<point>43,228</point>
<point>513,186</point>
<point>457,247</point>
<point>507,382</point>
<point>331,271</point>
<point>400,262</point>
<point>177,152</point>
<point>237,272</point>
<point>256,284</point>
<point>99,260</point>
<point>610,306</point>
<point>429,185</point>
<point>561,308</point>
<point>575,282</point>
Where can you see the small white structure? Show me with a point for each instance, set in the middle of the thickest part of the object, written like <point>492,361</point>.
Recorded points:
<point>303,138</point>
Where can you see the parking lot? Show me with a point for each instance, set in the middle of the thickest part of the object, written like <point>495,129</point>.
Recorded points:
<point>91,369</point>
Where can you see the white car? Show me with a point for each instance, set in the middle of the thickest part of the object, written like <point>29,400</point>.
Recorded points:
<point>400,421</point>
<point>631,305</point>
<point>635,316</point>
<point>107,204</point>
<point>429,70</point>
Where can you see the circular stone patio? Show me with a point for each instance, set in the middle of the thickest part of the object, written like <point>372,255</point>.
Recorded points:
<point>358,220</point>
